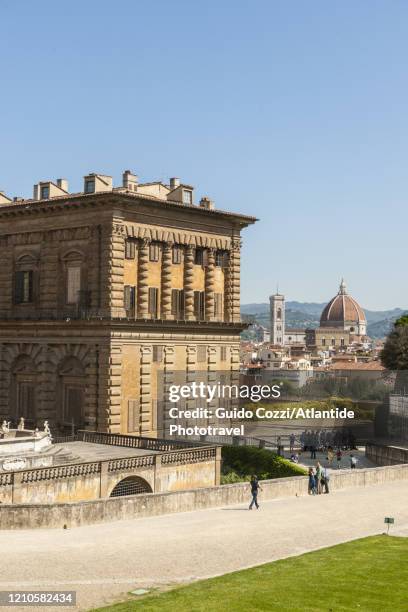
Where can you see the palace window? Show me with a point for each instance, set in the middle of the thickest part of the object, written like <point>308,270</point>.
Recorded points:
<point>199,257</point>
<point>157,353</point>
<point>153,302</point>
<point>129,300</point>
<point>177,303</point>
<point>23,287</point>
<point>202,353</point>
<point>187,196</point>
<point>130,249</point>
<point>223,353</point>
<point>221,259</point>
<point>154,251</point>
<point>342,341</point>
<point>199,309</point>
<point>73,284</point>
<point>177,254</point>
<point>45,192</point>
<point>323,341</point>
<point>333,342</point>
<point>89,186</point>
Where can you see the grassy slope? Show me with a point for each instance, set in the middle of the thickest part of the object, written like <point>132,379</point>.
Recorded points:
<point>368,575</point>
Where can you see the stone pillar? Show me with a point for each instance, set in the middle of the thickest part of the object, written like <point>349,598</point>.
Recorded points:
<point>5,401</point>
<point>232,283</point>
<point>188,282</point>
<point>6,275</point>
<point>109,389</point>
<point>91,391</point>
<point>112,254</point>
<point>142,280</point>
<point>47,394</point>
<point>94,271</point>
<point>49,273</point>
<point>165,306</point>
<point>209,285</point>
<point>145,389</point>
<point>168,380</point>
<point>117,270</point>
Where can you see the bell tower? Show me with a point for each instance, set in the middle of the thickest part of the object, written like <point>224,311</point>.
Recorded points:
<point>277,314</point>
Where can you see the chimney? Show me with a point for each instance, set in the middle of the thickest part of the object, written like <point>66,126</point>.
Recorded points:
<point>174,183</point>
<point>62,184</point>
<point>207,203</point>
<point>129,180</point>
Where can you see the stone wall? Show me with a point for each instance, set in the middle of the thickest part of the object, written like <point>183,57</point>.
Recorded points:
<point>386,455</point>
<point>170,471</point>
<point>113,509</point>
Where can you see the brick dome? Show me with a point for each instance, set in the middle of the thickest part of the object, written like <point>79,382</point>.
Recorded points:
<point>342,309</point>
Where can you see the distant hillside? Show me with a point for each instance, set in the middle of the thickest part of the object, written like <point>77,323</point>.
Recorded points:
<point>307,314</point>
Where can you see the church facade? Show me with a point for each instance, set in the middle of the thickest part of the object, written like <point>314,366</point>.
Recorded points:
<point>102,290</point>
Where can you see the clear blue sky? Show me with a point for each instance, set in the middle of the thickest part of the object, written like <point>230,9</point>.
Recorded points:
<point>295,112</point>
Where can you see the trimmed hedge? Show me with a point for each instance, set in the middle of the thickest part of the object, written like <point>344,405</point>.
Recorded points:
<point>240,462</point>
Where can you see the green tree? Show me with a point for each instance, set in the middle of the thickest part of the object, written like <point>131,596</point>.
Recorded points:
<point>394,355</point>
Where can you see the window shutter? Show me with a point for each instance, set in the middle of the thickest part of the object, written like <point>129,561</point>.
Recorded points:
<point>30,285</point>
<point>153,291</point>
<point>19,287</point>
<point>205,258</point>
<point>181,303</point>
<point>197,304</point>
<point>202,305</point>
<point>130,249</point>
<point>127,298</point>
<point>174,298</point>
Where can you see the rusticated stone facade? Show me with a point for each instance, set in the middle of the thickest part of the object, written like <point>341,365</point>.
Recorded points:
<point>99,292</point>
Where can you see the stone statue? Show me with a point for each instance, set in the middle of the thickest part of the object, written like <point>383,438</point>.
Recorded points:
<point>36,433</point>
<point>47,428</point>
<point>21,424</point>
<point>5,427</point>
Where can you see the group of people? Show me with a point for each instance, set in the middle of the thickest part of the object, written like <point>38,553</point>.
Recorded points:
<point>322,439</point>
<point>319,478</point>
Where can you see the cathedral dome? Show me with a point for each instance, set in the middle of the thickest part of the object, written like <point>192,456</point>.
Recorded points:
<point>343,311</point>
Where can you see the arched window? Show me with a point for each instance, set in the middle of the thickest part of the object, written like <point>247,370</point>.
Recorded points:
<point>132,485</point>
<point>279,313</point>
<point>25,278</point>
<point>72,381</point>
<point>74,277</point>
<point>24,390</point>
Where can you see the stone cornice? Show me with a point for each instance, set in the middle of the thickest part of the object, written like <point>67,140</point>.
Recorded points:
<point>137,325</point>
<point>81,200</point>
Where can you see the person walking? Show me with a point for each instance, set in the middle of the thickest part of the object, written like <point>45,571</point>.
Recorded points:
<point>330,455</point>
<point>338,456</point>
<point>353,461</point>
<point>292,442</point>
<point>255,487</point>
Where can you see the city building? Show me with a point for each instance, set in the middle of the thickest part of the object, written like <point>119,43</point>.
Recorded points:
<point>277,319</point>
<point>280,334</point>
<point>342,323</point>
<point>106,294</point>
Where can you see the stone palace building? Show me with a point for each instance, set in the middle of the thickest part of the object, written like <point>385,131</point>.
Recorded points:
<point>102,290</point>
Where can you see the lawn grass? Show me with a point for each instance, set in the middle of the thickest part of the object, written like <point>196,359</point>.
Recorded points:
<point>368,575</point>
